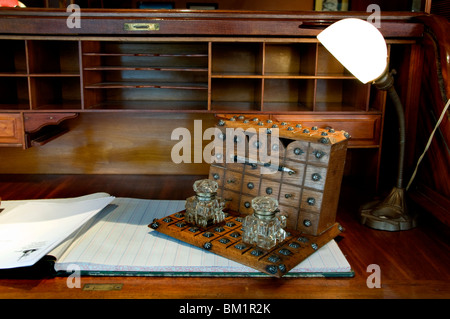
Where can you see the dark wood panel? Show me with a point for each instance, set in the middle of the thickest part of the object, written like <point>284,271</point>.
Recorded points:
<point>178,22</point>
<point>432,182</point>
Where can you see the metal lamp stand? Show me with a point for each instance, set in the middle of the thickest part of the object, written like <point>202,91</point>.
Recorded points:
<point>391,214</point>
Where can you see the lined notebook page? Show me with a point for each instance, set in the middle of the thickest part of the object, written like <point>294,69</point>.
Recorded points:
<point>118,239</point>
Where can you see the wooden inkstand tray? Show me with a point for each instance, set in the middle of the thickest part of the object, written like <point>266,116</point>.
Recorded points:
<point>225,239</point>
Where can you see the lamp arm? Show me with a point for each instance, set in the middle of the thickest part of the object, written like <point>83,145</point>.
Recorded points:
<point>386,83</point>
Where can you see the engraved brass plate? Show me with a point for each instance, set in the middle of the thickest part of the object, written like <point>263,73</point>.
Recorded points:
<point>102,287</point>
<point>141,26</point>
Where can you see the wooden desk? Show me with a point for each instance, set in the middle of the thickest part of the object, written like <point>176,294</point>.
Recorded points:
<point>413,264</point>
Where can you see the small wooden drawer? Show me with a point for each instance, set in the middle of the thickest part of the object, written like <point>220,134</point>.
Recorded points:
<point>298,168</point>
<point>11,129</point>
<point>269,188</point>
<point>217,174</point>
<point>292,215</point>
<point>276,147</point>
<point>315,177</point>
<point>311,201</point>
<point>231,198</point>
<point>271,173</point>
<point>252,169</point>
<point>319,154</point>
<point>297,151</point>
<point>218,159</point>
<point>251,185</point>
<point>233,180</point>
<point>245,206</point>
<point>289,195</point>
<point>308,223</point>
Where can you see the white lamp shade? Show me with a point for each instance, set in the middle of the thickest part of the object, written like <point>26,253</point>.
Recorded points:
<point>358,45</point>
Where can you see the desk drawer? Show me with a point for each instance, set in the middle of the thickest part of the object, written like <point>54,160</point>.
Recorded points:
<point>11,129</point>
<point>365,130</point>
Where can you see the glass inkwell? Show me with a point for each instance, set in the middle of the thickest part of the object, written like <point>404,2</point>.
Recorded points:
<point>265,227</point>
<point>205,208</point>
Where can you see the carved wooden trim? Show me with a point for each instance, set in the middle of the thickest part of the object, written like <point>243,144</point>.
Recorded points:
<point>35,121</point>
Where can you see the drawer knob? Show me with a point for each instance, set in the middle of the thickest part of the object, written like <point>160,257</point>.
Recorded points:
<point>298,151</point>
<point>288,195</point>
<point>231,181</point>
<point>311,201</point>
<point>216,176</point>
<point>307,223</point>
<point>250,185</point>
<point>316,177</point>
<point>319,154</point>
<point>269,190</point>
<point>247,205</point>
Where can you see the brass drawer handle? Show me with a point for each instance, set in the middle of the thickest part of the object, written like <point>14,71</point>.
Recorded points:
<point>141,26</point>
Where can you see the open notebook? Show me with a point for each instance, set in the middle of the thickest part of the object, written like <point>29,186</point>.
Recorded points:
<point>118,241</point>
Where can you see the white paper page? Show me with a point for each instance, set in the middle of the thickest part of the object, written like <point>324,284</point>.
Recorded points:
<point>29,231</point>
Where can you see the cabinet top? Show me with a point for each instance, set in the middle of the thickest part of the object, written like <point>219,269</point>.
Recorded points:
<point>192,22</point>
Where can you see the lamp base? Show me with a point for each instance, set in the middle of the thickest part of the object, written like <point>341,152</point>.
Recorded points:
<point>391,214</point>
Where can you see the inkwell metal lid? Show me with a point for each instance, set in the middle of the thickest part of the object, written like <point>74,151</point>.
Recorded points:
<point>205,189</point>
<point>265,207</point>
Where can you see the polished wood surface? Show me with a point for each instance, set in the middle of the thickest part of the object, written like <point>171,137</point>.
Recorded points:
<point>413,264</point>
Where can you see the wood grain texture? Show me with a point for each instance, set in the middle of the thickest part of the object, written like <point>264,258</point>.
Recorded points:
<point>110,143</point>
<point>414,263</point>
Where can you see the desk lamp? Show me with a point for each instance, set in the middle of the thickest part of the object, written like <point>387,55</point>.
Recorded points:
<point>361,49</point>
